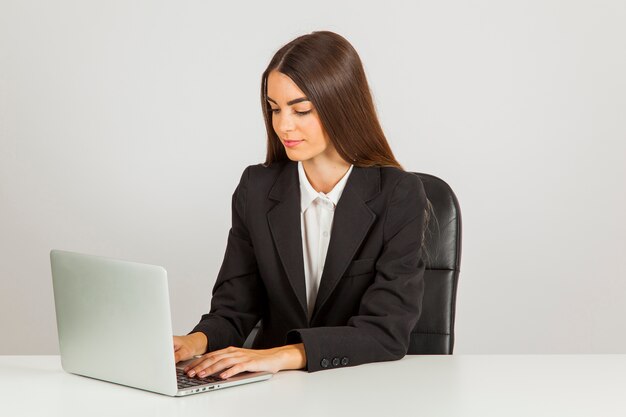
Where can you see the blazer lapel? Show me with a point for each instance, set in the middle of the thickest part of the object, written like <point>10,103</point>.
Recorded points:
<point>284,222</point>
<point>351,222</point>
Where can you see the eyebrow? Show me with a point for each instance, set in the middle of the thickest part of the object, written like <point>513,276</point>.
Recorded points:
<point>289,103</point>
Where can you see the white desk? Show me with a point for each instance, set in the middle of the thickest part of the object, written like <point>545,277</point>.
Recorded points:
<point>461,385</point>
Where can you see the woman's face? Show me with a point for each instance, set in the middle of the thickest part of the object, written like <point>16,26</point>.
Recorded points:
<point>296,121</point>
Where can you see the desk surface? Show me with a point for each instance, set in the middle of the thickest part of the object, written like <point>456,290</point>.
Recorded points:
<point>459,385</point>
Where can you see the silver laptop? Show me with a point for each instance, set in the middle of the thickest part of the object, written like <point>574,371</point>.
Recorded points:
<point>114,324</point>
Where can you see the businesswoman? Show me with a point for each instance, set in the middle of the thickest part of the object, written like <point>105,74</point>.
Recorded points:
<point>326,240</point>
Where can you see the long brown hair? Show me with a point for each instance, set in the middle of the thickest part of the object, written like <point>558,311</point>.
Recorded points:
<point>326,67</point>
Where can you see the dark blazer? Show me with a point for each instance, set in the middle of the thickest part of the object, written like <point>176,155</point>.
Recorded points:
<point>371,289</point>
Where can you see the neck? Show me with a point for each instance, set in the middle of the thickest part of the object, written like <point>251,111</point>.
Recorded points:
<point>324,175</point>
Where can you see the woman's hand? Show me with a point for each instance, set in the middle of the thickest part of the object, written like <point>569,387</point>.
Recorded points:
<point>232,360</point>
<point>186,347</point>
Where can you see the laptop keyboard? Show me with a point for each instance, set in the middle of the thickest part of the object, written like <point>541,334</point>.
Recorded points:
<point>185,382</point>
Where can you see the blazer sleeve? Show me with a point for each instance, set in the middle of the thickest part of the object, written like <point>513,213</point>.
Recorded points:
<point>236,302</point>
<point>390,307</point>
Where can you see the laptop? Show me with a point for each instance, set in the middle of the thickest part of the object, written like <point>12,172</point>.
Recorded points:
<point>114,324</point>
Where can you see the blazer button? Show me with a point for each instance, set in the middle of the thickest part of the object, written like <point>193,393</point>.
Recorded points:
<point>335,361</point>
<point>324,363</point>
<point>344,361</point>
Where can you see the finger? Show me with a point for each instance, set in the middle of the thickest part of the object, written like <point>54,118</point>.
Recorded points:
<point>177,355</point>
<point>218,366</point>
<point>200,366</point>
<point>181,354</point>
<point>177,342</point>
<point>236,369</point>
<point>209,359</point>
<point>199,360</point>
<point>214,356</point>
<point>195,367</point>
<point>193,364</point>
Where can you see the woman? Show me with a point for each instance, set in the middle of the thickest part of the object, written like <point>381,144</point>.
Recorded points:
<point>326,240</point>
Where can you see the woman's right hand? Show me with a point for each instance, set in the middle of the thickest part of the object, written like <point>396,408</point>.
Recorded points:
<point>186,347</point>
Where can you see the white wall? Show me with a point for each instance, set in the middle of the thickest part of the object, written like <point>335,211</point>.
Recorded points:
<point>124,128</point>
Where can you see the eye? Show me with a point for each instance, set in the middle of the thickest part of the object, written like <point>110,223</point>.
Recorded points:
<point>299,113</point>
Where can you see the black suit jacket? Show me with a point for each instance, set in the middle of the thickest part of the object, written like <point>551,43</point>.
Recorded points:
<point>371,288</point>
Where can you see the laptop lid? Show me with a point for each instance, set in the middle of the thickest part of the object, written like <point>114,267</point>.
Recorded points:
<point>113,320</point>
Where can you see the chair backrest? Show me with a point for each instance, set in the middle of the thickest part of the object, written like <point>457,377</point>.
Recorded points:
<point>434,332</point>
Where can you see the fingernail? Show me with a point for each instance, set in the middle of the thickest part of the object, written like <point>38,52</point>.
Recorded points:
<point>192,373</point>
<point>223,376</point>
<point>201,374</point>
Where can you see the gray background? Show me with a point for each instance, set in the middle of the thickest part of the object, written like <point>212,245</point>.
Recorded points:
<point>124,128</point>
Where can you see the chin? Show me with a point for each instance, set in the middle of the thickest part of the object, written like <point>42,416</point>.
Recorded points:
<point>295,156</point>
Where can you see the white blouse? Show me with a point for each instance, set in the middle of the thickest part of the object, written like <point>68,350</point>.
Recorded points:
<point>316,219</point>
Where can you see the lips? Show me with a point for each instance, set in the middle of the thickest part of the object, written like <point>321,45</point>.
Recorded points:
<point>292,143</point>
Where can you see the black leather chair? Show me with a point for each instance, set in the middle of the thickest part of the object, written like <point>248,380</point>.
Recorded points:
<point>434,332</point>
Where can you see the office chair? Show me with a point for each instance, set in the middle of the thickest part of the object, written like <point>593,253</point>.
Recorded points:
<point>434,332</point>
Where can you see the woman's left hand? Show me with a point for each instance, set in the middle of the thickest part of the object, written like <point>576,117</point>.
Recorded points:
<point>232,360</point>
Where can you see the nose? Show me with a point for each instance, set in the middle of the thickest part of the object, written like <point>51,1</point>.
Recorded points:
<point>286,123</point>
